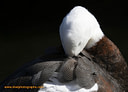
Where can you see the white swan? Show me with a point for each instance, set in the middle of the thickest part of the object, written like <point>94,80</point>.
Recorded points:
<point>79,29</point>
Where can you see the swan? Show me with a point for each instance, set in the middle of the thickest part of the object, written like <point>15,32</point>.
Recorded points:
<point>80,30</point>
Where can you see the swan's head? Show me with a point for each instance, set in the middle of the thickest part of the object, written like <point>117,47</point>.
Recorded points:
<point>78,30</point>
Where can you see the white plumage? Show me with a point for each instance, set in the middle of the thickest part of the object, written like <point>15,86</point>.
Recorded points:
<point>79,29</point>
<point>53,85</point>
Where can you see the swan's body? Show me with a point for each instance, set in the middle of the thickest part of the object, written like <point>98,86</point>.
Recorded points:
<point>79,29</point>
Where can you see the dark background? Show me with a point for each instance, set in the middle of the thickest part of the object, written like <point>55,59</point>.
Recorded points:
<point>27,28</point>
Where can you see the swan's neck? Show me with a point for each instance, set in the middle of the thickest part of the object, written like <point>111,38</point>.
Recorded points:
<point>108,55</point>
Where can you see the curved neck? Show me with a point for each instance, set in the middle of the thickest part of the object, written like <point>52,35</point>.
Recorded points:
<point>108,55</point>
